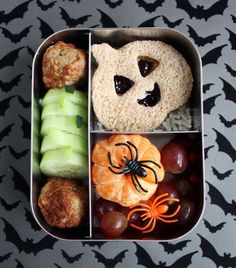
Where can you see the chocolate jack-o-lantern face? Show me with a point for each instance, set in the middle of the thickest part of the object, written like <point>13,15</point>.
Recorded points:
<point>136,86</point>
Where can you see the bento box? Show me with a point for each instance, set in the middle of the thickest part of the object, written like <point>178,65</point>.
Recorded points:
<point>175,201</point>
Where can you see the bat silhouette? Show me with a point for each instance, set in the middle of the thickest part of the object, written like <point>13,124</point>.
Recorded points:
<point>24,103</point>
<point>5,257</point>
<point>10,58</point>
<point>201,41</point>
<point>1,148</point>
<point>221,176</point>
<point>233,18</point>
<point>30,51</point>
<point>70,21</point>
<point>200,12</point>
<point>19,183</point>
<point>7,86</point>
<point>99,244</point>
<point>225,146</point>
<point>58,266</point>
<point>209,103</point>
<point>78,1</point>
<point>213,229</point>
<point>145,259</point>
<point>232,39</point>
<point>17,12</point>
<point>70,259</point>
<point>113,4</point>
<point>17,155</point>
<point>230,92</point>
<point>149,23</point>
<point>25,127</point>
<point>226,123</point>
<point>45,29</point>
<point>15,38</point>
<point>2,176</point>
<point>106,21</point>
<point>5,104</point>
<point>29,218</point>
<point>7,206</point>
<point>19,264</point>
<point>210,252</point>
<point>206,87</point>
<point>45,7</point>
<point>150,7</point>
<point>110,263</point>
<point>218,199</point>
<point>230,70</point>
<point>206,150</point>
<point>212,56</point>
<point>28,246</point>
<point>171,24</point>
<point>5,132</point>
<point>170,248</point>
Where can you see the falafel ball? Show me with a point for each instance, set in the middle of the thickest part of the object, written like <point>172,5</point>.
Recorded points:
<point>63,64</point>
<point>63,202</point>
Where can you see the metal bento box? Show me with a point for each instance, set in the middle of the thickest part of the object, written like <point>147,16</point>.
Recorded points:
<point>190,183</point>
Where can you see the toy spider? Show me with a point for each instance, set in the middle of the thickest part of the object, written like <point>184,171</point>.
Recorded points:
<point>133,166</point>
<point>155,211</point>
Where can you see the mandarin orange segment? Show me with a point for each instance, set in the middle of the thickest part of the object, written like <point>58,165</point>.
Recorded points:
<point>124,179</point>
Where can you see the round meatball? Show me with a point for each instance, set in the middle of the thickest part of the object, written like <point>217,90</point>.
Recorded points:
<point>63,202</point>
<point>63,64</point>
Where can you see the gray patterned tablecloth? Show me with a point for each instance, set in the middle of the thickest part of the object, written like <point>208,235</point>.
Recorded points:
<point>211,26</point>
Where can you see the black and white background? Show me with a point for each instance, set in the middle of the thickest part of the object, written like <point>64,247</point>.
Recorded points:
<point>212,27</point>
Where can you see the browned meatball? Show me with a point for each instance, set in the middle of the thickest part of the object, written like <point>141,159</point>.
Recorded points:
<point>63,202</point>
<point>63,64</point>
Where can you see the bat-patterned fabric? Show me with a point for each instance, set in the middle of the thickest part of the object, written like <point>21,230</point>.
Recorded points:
<point>211,26</point>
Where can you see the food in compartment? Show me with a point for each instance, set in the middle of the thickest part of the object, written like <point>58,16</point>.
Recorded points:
<point>146,81</point>
<point>63,64</point>
<point>171,205</point>
<point>63,202</point>
<point>126,168</point>
<point>64,144</point>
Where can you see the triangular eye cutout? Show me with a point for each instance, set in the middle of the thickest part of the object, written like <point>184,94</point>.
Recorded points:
<point>146,65</point>
<point>122,84</point>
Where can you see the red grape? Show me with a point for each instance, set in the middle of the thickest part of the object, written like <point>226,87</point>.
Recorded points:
<point>102,206</point>
<point>165,187</point>
<point>113,223</point>
<point>185,188</point>
<point>187,211</point>
<point>174,157</point>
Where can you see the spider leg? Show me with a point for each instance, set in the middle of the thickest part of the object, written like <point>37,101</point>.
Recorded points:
<point>150,161</point>
<point>152,228</point>
<point>135,148</point>
<point>118,172</point>
<point>140,186</point>
<point>173,214</point>
<point>145,227</point>
<point>121,143</point>
<point>156,180</point>
<point>112,165</point>
<point>134,183</point>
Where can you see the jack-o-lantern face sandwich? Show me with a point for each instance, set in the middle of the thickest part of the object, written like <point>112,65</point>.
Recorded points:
<point>126,169</point>
<point>136,86</point>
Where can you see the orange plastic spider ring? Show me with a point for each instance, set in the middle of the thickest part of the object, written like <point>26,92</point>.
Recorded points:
<point>155,211</point>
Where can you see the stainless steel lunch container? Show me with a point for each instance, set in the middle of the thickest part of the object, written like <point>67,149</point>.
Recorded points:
<point>84,38</point>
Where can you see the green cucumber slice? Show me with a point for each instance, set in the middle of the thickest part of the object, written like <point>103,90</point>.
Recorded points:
<point>65,123</point>
<point>35,166</point>
<point>65,108</point>
<point>64,163</point>
<point>55,139</point>
<point>57,94</point>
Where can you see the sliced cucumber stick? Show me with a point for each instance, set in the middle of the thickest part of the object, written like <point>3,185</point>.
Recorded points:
<point>69,124</point>
<point>65,108</point>
<point>64,163</point>
<point>58,94</point>
<point>56,139</point>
